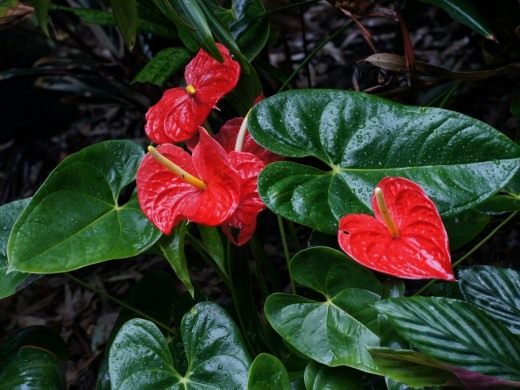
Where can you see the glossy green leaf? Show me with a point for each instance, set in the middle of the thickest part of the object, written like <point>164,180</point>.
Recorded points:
<point>464,227</point>
<point>455,333</point>
<point>251,27</point>
<point>32,368</point>
<point>459,161</point>
<point>320,377</point>
<point>9,282</point>
<point>75,218</point>
<point>154,295</point>
<point>494,290</point>
<point>465,12</point>
<point>41,9</point>
<point>338,330</point>
<point>412,368</point>
<point>172,249</point>
<point>125,13</point>
<point>499,204</point>
<point>188,16</point>
<point>212,241</point>
<point>140,356</point>
<point>267,373</point>
<point>163,65</point>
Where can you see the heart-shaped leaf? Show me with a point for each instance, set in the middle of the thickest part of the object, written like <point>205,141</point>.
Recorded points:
<point>412,368</point>
<point>267,373</point>
<point>494,290</point>
<point>406,238</point>
<point>9,282</point>
<point>457,334</point>
<point>318,377</point>
<point>459,161</point>
<point>140,356</point>
<point>75,218</point>
<point>338,330</point>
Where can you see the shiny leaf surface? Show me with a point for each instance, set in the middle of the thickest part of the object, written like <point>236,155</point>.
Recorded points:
<point>494,290</point>
<point>163,65</point>
<point>457,334</point>
<point>75,218</point>
<point>459,161</point>
<point>125,14</point>
<point>420,248</point>
<point>318,377</point>
<point>9,282</point>
<point>140,356</point>
<point>267,373</point>
<point>338,330</point>
<point>172,249</point>
<point>251,27</point>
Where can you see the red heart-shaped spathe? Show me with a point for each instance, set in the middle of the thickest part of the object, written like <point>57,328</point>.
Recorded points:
<point>419,252</point>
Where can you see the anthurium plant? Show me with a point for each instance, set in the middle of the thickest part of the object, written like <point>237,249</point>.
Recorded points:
<point>368,199</point>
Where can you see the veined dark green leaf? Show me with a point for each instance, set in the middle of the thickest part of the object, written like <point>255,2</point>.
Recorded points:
<point>459,161</point>
<point>319,377</point>
<point>251,27</point>
<point>172,249</point>
<point>140,356</point>
<point>76,219</point>
<point>267,373</point>
<point>9,282</point>
<point>125,13</point>
<point>163,65</point>
<point>463,11</point>
<point>41,9</point>
<point>340,329</point>
<point>457,334</point>
<point>494,290</point>
<point>412,368</point>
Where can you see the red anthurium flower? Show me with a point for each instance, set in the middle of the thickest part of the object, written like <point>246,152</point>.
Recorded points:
<point>406,238</point>
<point>179,113</point>
<point>173,185</point>
<point>227,137</point>
<point>239,228</point>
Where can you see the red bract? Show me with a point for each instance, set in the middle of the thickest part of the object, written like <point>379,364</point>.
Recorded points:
<point>227,137</point>
<point>166,199</point>
<point>179,113</point>
<point>405,239</point>
<point>239,228</point>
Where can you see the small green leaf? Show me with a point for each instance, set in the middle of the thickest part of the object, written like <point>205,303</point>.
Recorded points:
<point>494,290</point>
<point>9,282</point>
<point>163,65</point>
<point>212,241</point>
<point>32,368</point>
<point>463,11</point>
<point>125,13</point>
<point>338,330</point>
<point>267,373</point>
<point>140,356</point>
<point>41,9</point>
<point>455,333</point>
<point>251,27</point>
<point>172,249</point>
<point>459,161</point>
<point>75,218</point>
<point>499,204</point>
<point>412,368</point>
<point>318,377</point>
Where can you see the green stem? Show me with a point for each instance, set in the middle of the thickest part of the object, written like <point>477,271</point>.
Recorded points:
<point>285,251</point>
<point>472,250</point>
<point>119,302</point>
<point>314,51</point>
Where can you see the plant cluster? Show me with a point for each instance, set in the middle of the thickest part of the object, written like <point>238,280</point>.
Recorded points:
<point>382,193</point>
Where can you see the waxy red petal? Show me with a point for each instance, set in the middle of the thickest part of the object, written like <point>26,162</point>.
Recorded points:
<point>177,115</point>
<point>227,137</point>
<point>166,199</point>
<point>212,79</point>
<point>244,217</point>
<point>420,252</point>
